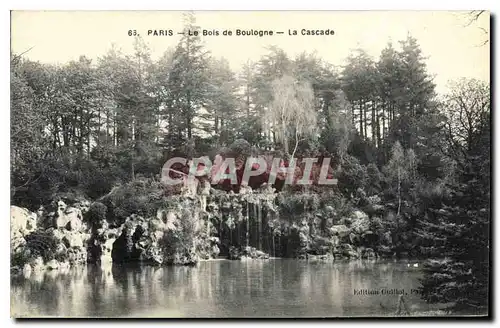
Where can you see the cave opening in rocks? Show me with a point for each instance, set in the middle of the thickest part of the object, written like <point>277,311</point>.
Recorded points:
<point>124,248</point>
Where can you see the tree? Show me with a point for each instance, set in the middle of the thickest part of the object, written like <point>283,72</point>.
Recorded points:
<point>270,67</point>
<point>167,95</point>
<point>28,142</point>
<point>397,171</point>
<point>188,77</point>
<point>475,16</point>
<point>219,119</point>
<point>339,131</point>
<point>291,114</point>
<point>414,96</point>
<point>389,86</point>
<point>250,126</point>
<point>359,85</point>
<point>467,108</point>
<point>456,232</point>
<point>83,106</point>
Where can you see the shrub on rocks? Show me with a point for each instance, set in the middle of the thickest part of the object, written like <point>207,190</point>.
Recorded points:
<point>141,197</point>
<point>97,213</point>
<point>43,244</point>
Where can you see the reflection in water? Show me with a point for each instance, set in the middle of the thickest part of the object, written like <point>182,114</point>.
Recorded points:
<point>218,289</point>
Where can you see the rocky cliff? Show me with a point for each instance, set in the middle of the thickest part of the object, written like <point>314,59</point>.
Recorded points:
<point>184,229</point>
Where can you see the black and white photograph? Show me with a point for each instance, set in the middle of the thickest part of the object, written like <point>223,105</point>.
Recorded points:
<point>250,164</point>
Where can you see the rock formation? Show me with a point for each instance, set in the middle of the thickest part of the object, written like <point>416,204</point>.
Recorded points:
<point>184,230</point>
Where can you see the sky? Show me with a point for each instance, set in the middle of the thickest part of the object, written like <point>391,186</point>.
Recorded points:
<point>454,50</point>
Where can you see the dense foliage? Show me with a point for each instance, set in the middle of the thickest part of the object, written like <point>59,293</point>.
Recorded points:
<point>86,128</point>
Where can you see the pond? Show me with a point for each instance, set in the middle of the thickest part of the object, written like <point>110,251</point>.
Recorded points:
<point>222,288</point>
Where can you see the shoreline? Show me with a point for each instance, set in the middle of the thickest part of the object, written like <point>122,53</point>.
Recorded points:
<point>16,272</point>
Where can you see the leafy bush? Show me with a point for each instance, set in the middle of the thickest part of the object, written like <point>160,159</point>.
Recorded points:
<point>179,245</point>
<point>141,196</point>
<point>42,243</point>
<point>374,179</point>
<point>352,176</point>
<point>97,213</point>
<point>18,259</point>
<point>241,147</point>
<point>295,203</point>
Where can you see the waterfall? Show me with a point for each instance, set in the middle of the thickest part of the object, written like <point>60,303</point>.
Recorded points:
<point>230,235</point>
<point>248,228</point>
<point>220,228</point>
<point>274,246</point>
<point>259,223</point>
<point>204,209</point>
<point>272,218</point>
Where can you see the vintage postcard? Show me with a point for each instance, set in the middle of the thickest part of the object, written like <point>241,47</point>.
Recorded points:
<point>250,164</point>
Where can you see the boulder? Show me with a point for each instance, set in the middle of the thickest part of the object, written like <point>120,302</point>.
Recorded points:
<point>322,241</point>
<point>22,220</point>
<point>59,216</point>
<point>26,269</point>
<point>340,230</point>
<point>16,241</point>
<point>61,248</point>
<point>348,251</point>
<point>83,205</point>
<point>153,255</point>
<point>37,264</point>
<point>72,239</point>
<point>369,239</point>
<point>302,256</point>
<point>140,239</point>
<point>246,253</point>
<point>358,215</point>
<point>52,265</point>
<point>172,220</point>
<point>64,265</point>
<point>207,247</point>
<point>377,208</point>
<point>63,228</point>
<point>368,253</point>
<point>186,257</point>
<point>261,255</point>
<point>215,251</point>
<point>234,253</point>
<point>385,251</point>
<point>345,221</point>
<point>106,249</point>
<point>68,217</point>
<point>354,238</point>
<point>57,233</point>
<point>74,223</point>
<point>360,222</point>
<point>303,238</point>
<point>386,238</point>
<point>374,199</point>
<point>328,257</point>
<point>157,225</point>
<point>320,246</point>
<point>22,223</point>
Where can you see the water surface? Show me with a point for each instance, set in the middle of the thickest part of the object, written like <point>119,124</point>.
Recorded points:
<point>272,288</point>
